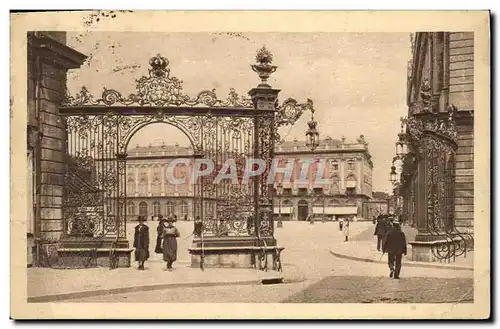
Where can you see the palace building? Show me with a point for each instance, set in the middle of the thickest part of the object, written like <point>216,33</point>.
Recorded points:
<point>347,180</point>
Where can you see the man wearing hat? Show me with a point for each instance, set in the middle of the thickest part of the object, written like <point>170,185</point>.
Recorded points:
<point>395,247</point>
<point>380,231</point>
<point>141,242</point>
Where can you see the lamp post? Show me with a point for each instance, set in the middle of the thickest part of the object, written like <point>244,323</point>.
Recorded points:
<point>279,191</point>
<point>312,133</point>
<point>393,175</point>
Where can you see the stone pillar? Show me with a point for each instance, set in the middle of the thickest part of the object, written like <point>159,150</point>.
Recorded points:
<point>49,59</point>
<point>136,179</point>
<point>264,99</point>
<point>342,188</point>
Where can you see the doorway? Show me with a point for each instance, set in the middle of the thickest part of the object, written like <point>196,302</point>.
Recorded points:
<point>303,210</point>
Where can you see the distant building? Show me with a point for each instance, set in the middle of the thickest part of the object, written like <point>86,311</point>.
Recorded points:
<point>348,169</point>
<point>380,204</point>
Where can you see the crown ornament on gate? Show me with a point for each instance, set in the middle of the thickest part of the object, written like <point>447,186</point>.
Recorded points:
<point>159,66</point>
<point>159,89</point>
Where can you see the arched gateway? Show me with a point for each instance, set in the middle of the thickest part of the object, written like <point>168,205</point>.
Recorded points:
<point>239,128</point>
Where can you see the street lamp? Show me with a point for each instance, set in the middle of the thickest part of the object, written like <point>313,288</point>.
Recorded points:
<point>312,133</point>
<point>393,175</point>
<point>402,144</point>
<point>279,191</point>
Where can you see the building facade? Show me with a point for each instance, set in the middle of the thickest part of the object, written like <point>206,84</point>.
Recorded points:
<point>49,59</point>
<point>347,172</point>
<point>436,181</point>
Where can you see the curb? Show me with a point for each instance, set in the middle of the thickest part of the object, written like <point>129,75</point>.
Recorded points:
<point>93,293</point>
<point>406,264</point>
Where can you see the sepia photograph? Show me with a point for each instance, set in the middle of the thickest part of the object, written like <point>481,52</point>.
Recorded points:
<point>312,170</point>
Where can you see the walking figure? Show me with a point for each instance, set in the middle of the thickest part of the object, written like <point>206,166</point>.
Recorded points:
<point>198,226</point>
<point>170,235</point>
<point>346,229</point>
<point>341,223</point>
<point>395,246</point>
<point>380,232</point>
<point>141,242</point>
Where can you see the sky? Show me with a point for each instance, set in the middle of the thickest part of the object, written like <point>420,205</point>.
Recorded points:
<point>357,81</point>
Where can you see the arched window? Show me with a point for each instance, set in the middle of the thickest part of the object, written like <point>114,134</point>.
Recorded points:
<point>156,184</point>
<point>351,164</point>
<point>183,209</point>
<point>131,184</point>
<point>143,183</point>
<point>334,165</point>
<point>156,208</point>
<point>143,209</point>
<point>335,189</point>
<point>170,208</point>
<point>130,208</point>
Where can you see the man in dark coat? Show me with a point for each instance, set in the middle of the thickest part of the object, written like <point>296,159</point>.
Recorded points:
<point>395,247</point>
<point>141,242</point>
<point>198,227</point>
<point>380,232</point>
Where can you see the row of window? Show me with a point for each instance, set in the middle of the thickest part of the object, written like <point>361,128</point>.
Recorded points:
<point>317,203</point>
<point>156,189</point>
<point>169,209</point>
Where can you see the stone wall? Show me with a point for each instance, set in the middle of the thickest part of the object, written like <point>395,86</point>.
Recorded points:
<point>48,63</point>
<point>461,70</point>
<point>464,179</point>
<point>461,94</point>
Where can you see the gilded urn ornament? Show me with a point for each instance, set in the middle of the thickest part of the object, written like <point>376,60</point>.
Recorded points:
<point>264,68</point>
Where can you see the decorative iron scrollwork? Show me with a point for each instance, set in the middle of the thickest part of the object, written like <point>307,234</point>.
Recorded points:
<point>417,126</point>
<point>158,89</point>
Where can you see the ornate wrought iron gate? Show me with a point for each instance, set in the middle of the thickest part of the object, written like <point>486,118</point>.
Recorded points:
<point>235,129</point>
<point>433,137</point>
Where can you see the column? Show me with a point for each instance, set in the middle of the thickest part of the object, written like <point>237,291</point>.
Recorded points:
<point>359,167</point>
<point>136,174</point>
<point>342,175</point>
<point>48,63</point>
<point>150,178</point>
<point>162,175</point>
<point>264,98</point>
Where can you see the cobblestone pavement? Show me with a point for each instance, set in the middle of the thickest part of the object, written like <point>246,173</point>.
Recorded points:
<point>315,275</point>
<point>365,289</point>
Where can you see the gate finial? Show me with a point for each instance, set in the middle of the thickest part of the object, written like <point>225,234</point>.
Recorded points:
<point>264,68</point>
<point>158,66</point>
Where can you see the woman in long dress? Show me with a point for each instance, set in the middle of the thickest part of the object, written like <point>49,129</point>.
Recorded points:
<point>141,242</point>
<point>170,235</point>
<point>159,235</point>
<point>346,229</point>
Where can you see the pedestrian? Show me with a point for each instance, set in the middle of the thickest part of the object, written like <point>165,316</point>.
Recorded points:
<point>198,226</point>
<point>159,234</point>
<point>170,235</point>
<point>380,232</point>
<point>341,223</point>
<point>346,230</point>
<point>185,217</point>
<point>395,247</point>
<point>141,242</point>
